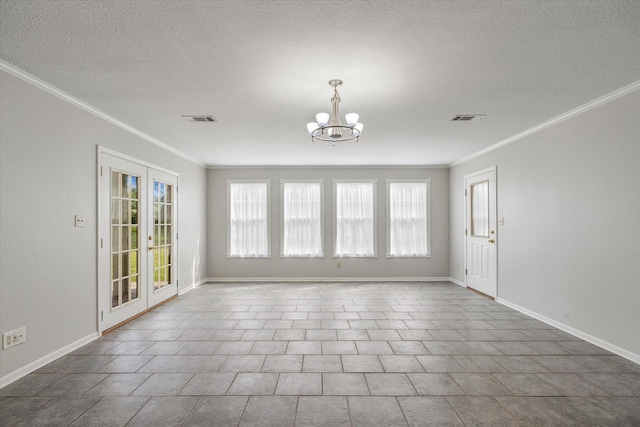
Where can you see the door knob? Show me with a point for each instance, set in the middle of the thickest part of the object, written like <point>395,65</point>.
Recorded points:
<point>491,241</point>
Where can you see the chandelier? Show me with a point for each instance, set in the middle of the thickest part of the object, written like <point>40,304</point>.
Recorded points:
<point>329,127</point>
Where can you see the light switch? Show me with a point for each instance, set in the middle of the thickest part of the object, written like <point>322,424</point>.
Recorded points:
<point>80,222</point>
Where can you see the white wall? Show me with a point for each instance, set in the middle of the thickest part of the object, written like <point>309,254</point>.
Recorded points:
<point>275,267</point>
<point>48,175</point>
<point>570,246</point>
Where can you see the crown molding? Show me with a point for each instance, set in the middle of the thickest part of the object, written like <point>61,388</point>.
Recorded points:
<point>23,75</point>
<point>41,84</point>
<point>554,121</point>
<point>212,167</point>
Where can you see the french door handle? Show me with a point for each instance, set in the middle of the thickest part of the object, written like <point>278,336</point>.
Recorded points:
<point>491,241</point>
<point>151,248</point>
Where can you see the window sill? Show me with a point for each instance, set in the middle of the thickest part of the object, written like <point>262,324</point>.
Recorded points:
<point>355,256</point>
<point>248,257</point>
<point>408,256</point>
<point>301,256</point>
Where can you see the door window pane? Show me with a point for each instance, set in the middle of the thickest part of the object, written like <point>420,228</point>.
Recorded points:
<point>124,237</point>
<point>134,212</point>
<point>162,242</point>
<point>480,209</point>
<point>115,211</point>
<point>115,266</point>
<point>133,280</point>
<point>125,290</point>
<point>115,238</point>
<point>126,212</point>
<point>134,237</point>
<point>115,294</point>
<point>134,187</point>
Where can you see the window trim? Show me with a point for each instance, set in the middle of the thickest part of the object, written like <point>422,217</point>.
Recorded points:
<point>428,210</point>
<point>375,216</point>
<point>248,181</point>
<point>302,181</point>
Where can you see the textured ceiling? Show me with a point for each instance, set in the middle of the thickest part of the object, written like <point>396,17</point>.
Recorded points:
<point>261,68</point>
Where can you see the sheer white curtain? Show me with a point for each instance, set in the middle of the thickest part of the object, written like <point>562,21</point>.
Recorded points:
<point>248,220</point>
<point>408,219</point>
<point>480,209</point>
<point>355,219</point>
<point>302,220</point>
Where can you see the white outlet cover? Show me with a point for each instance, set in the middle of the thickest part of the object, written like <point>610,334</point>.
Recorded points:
<point>13,338</point>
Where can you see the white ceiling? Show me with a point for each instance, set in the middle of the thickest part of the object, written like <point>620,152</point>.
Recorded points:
<point>261,68</point>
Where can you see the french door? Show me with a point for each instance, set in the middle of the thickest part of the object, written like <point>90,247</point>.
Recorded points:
<point>137,261</point>
<point>481,237</point>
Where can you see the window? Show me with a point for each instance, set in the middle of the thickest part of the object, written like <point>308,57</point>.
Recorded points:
<point>248,210</point>
<point>355,218</point>
<point>302,226</point>
<point>408,218</point>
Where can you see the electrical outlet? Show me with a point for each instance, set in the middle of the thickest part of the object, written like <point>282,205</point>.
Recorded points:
<point>339,265</point>
<point>80,220</point>
<point>13,338</point>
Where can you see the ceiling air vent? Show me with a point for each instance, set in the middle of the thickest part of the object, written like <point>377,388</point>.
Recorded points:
<point>468,117</point>
<point>200,119</point>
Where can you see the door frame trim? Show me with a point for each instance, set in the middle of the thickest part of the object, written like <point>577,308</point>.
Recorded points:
<point>493,205</point>
<point>100,150</point>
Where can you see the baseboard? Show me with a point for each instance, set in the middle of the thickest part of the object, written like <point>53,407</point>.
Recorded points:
<point>457,282</point>
<point>573,331</point>
<point>34,366</point>
<point>192,287</point>
<point>325,279</point>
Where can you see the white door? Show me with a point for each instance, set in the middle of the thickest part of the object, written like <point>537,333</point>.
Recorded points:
<point>481,236</point>
<point>137,239</point>
<point>161,265</point>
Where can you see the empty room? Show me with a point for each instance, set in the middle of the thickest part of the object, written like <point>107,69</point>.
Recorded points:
<point>319,213</point>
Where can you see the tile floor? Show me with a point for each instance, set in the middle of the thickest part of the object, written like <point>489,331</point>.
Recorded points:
<point>385,354</point>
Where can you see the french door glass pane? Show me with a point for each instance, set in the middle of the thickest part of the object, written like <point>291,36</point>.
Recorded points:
<point>134,237</point>
<point>134,286</point>
<point>115,266</point>
<point>115,293</point>
<point>115,211</point>
<point>115,238</point>
<point>480,209</point>
<point>134,212</point>
<point>162,242</point>
<point>124,238</point>
<point>125,290</point>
